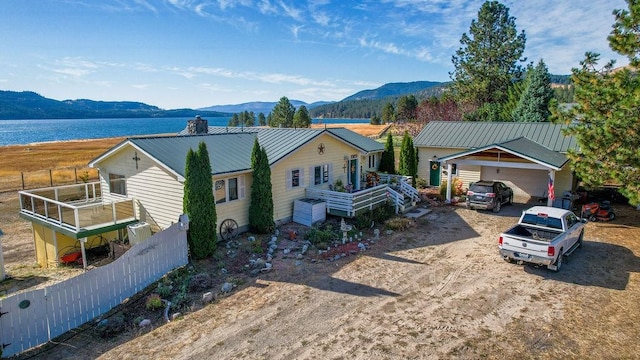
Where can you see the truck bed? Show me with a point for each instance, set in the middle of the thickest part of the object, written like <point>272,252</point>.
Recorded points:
<point>523,231</point>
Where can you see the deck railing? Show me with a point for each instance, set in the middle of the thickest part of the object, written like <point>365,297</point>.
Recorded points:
<point>75,207</point>
<point>352,204</point>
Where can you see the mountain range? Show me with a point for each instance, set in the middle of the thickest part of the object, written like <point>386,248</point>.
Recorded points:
<point>30,105</point>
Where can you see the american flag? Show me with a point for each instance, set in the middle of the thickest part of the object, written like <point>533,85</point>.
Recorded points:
<point>552,195</point>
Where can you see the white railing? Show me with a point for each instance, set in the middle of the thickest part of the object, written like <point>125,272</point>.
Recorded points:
<point>75,207</point>
<point>350,203</point>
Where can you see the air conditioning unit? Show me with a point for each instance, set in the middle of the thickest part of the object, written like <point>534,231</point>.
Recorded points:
<point>138,232</point>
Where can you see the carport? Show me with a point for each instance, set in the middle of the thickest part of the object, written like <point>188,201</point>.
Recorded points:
<point>521,157</point>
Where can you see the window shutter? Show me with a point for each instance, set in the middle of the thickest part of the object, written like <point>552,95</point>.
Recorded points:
<point>312,176</point>
<point>302,177</point>
<point>330,173</point>
<point>287,179</point>
<point>241,187</point>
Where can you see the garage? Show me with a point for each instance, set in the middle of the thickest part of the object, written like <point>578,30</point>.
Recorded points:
<point>526,183</point>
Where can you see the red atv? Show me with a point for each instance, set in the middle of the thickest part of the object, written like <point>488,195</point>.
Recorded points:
<point>598,211</point>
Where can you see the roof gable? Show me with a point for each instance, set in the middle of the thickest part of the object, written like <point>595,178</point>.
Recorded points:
<point>469,135</point>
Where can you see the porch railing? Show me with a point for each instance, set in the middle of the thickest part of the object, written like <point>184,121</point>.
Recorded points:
<point>75,207</point>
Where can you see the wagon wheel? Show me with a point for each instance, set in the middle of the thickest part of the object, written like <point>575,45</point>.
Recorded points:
<point>228,229</point>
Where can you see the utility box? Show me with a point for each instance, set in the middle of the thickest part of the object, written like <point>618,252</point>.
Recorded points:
<point>138,232</point>
<point>309,211</point>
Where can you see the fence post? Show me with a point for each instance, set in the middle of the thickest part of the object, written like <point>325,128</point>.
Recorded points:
<point>75,174</point>
<point>51,177</point>
<point>22,178</point>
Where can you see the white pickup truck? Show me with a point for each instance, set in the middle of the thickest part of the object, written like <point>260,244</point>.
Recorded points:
<point>543,236</point>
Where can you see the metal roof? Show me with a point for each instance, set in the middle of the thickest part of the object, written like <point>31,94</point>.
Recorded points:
<point>469,134</point>
<point>524,148</point>
<point>230,148</point>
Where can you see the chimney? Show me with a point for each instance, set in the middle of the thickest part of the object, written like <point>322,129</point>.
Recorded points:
<point>197,126</point>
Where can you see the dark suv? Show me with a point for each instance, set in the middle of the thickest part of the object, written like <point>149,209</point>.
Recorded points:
<point>488,195</point>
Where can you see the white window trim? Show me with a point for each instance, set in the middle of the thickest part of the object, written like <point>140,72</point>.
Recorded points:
<point>240,185</point>
<point>289,178</point>
<point>312,174</point>
<point>123,180</point>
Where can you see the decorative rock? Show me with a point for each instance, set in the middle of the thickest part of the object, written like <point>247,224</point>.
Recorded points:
<point>145,322</point>
<point>286,251</point>
<point>389,232</point>
<point>267,267</point>
<point>337,257</point>
<point>259,263</point>
<point>277,232</point>
<point>251,238</point>
<point>361,246</point>
<point>224,271</point>
<point>305,247</point>
<point>207,297</point>
<point>298,262</point>
<point>227,287</point>
<point>175,315</point>
<point>299,256</point>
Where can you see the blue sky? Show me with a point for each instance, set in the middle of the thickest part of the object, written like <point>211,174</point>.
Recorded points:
<point>197,53</point>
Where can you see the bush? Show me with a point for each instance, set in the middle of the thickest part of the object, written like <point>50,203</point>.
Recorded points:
<point>456,189</point>
<point>153,302</point>
<point>420,183</point>
<point>316,235</point>
<point>398,223</point>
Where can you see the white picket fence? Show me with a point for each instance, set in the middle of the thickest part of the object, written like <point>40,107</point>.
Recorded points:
<point>32,318</point>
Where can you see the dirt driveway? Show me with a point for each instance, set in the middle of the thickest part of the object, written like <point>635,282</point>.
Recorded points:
<point>437,290</point>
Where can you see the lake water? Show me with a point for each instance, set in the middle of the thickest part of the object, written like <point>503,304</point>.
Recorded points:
<point>16,132</point>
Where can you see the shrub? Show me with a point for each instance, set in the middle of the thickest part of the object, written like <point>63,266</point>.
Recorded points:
<point>153,302</point>
<point>316,235</point>
<point>456,189</point>
<point>398,223</point>
<point>420,183</point>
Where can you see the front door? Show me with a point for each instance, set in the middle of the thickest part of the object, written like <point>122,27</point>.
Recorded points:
<point>353,173</point>
<point>434,173</point>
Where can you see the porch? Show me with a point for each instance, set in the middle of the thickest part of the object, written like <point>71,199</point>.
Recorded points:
<point>77,211</point>
<point>395,189</point>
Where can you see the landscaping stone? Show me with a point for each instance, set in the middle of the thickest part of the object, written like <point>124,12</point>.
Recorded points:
<point>207,297</point>
<point>144,323</point>
<point>227,287</point>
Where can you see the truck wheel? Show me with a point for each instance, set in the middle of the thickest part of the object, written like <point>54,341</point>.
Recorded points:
<point>496,207</point>
<point>580,238</point>
<point>511,200</point>
<point>558,262</point>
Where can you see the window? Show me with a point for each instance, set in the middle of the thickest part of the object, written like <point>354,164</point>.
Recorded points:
<point>230,189</point>
<point>294,178</point>
<point>454,169</point>
<point>321,174</point>
<point>372,161</point>
<point>117,184</point>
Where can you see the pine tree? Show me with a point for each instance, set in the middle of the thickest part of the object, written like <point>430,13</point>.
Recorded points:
<point>408,162</point>
<point>199,204</point>
<point>301,118</point>
<point>406,108</point>
<point>388,158</point>
<point>487,63</point>
<point>261,206</point>
<point>388,113</point>
<point>535,99</point>
<point>606,118</point>
<point>282,114</point>
<point>262,120</point>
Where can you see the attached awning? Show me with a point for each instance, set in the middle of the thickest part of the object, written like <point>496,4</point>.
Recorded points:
<point>520,147</point>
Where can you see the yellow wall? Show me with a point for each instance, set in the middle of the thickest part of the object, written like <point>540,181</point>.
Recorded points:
<point>305,158</point>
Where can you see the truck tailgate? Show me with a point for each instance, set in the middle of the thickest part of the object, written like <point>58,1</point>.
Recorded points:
<point>525,248</point>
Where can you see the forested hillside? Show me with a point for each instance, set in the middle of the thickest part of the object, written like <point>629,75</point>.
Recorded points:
<point>29,105</point>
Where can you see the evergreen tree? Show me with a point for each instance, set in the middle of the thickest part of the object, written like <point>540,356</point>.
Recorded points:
<point>388,113</point>
<point>262,120</point>
<point>199,204</point>
<point>375,120</point>
<point>487,62</point>
<point>301,118</point>
<point>534,102</point>
<point>261,206</point>
<point>282,114</point>
<point>606,118</point>
<point>388,158</point>
<point>406,108</point>
<point>408,162</point>
<point>234,121</point>
<point>514,94</point>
